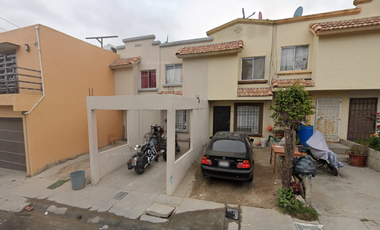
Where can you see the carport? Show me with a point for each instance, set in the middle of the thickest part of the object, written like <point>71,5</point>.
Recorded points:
<point>107,161</point>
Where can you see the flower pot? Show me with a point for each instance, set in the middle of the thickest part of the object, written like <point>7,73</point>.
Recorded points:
<point>357,160</point>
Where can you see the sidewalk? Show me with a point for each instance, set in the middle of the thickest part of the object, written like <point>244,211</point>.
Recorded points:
<point>349,201</point>
<point>96,200</point>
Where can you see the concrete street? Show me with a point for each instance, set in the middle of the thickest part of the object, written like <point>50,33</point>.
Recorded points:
<point>349,201</point>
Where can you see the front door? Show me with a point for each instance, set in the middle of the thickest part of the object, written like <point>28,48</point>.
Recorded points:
<point>362,118</point>
<point>221,121</point>
<point>328,118</point>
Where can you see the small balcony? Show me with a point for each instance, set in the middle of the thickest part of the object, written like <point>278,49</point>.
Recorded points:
<point>19,80</point>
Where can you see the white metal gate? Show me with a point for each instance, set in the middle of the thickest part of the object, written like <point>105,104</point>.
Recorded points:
<point>328,116</point>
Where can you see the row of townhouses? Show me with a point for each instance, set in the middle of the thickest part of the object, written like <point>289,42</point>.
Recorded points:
<point>225,81</point>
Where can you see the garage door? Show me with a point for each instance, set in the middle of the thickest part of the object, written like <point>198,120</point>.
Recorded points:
<point>12,149</point>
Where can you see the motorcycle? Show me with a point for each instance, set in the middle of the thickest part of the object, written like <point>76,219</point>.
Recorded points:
<point>163,150</point>
<point>149,151</point>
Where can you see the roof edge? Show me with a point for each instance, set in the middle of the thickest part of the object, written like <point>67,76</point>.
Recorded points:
<point>357,2</point>
<point>144,37</point>
<point>182,42</point>
<point>331,14</point>
<point>346,30</point>
<point>209,53</point>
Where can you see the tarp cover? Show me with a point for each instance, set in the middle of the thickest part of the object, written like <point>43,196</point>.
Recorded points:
<point>305,166</point>
<point>320,149</point>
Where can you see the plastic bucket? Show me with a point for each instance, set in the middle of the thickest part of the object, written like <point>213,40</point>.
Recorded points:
<point>305,133</point>
<point>264,142</point>
<point>78,180</point>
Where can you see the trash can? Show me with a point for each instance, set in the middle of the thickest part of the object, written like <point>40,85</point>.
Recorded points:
<point>78,180</point>
<point>305,133</point>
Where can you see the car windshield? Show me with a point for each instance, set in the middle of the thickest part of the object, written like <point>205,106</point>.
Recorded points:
<point>229,146</point>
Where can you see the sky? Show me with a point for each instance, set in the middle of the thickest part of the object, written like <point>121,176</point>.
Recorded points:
<point>178,19</point>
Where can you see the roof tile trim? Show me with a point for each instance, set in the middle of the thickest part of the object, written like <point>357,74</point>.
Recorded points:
<point>210,48</point>
<point>170,92</point>
<point>125,62</point>
<point>254,92</point>
<point>290,82</point>
<point>346,24</point>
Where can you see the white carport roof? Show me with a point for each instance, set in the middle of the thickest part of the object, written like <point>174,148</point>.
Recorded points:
<point>175,170</point>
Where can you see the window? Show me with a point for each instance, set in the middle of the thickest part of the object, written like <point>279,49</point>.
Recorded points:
<point>229,146</point>
<point>248,118</point>
<point>294,58</point>
<point>253,68</point>
<point>174,74</point>
<point>148,79</point>
<point>182,121</point>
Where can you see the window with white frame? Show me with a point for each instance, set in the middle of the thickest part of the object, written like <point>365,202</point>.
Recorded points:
<point>182,121</point>
<point>253,68</point>
<point>174,74</point>
<point>294,58</point>
<point>148,79</point>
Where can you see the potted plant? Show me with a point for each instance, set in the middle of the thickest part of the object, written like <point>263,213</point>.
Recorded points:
<point>357,154</point>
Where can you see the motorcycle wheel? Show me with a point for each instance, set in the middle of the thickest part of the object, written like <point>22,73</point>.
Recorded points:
<point>139,170</point>
<point>333,170</point>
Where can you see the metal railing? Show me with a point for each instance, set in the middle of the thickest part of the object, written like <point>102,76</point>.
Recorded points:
<point>15,79</point>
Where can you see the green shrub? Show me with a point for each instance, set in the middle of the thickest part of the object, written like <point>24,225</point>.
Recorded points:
<point>289,204</point>
<point>372,142</point>
<point>359,150</point>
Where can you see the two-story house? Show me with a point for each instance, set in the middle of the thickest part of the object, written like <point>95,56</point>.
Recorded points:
<point>45,77</point>
<point>334,55</point>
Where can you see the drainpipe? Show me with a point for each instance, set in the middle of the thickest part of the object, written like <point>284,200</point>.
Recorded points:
<point>43,95</point>
<point>42,75</point>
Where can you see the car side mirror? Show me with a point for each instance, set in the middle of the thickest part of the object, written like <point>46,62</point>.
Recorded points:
<point>251,140</point>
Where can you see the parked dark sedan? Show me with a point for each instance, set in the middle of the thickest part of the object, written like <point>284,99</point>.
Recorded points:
<point>229,155</point>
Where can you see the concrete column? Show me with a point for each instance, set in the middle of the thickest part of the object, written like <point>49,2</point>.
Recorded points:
<point>170,151</point>
<point>93,142</point>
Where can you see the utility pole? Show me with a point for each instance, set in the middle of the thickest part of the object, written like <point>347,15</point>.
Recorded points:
<point>100,39</point>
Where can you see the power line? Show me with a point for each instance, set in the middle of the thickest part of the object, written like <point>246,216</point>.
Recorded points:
<point>3,29</point>
<point>9,22</point>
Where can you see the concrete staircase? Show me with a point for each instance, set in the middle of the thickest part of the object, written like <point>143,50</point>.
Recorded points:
<point>340,150</point>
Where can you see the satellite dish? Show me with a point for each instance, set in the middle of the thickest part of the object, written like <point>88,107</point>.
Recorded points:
<point>298,12</point>
<point>260,15</point>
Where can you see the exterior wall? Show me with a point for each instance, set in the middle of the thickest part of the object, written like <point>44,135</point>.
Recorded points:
<point>124,81</point>
<point>348,61</point>
<point>57,127</point>
<point>195,77</point>
<point>266,116</point>
<point>223,77</point>
<point>345,96</point>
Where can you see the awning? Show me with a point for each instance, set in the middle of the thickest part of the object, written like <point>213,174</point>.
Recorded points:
<point>7,46</point>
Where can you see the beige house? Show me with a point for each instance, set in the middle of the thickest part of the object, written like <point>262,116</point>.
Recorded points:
<point>235,71</point>
<point>334,54</point>
<point>45,77</point>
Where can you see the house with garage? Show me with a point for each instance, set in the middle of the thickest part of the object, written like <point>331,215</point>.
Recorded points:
<point>234,73</point>
<point>45,77</point>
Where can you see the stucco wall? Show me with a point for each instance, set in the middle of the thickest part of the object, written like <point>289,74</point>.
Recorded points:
<point>124,81</point>
<point>57,128</point>
<point>345,106</point>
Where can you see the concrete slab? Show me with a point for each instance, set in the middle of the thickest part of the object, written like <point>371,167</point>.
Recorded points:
<point>153,219</point>
<point>202,219</point>
<point>32,188</point>
<point>56,210</point>
<point>233,226</point>
<point>372,225</point>
<point>134,204</point>
<point>84,198</point>
<point>352,194</point>
<point>169,200</point>
<point>12,203</point>
<point>258,218</point>
<point>190,205</point>
<point>50,192</point>
<point>160,210</point>
<point>341,223</point>
<point>107,202</point>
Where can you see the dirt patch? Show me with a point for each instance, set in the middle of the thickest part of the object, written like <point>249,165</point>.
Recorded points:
<point>260,193</point>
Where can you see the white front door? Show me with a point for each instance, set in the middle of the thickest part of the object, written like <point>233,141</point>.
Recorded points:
<point>328,118</point>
